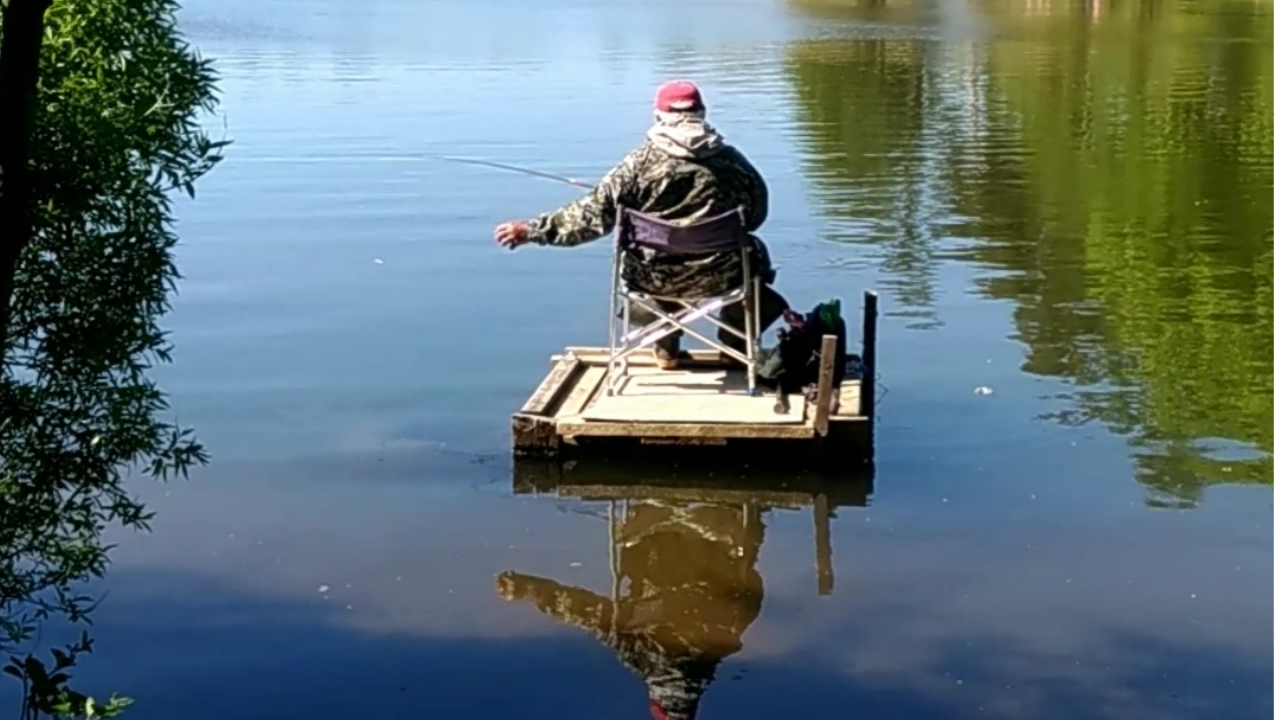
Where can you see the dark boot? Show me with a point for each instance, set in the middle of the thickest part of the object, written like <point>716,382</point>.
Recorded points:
<point>666,352</point>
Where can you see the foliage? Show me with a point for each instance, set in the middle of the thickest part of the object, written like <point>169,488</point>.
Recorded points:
<point>45,690</point>
<point>116,132</point>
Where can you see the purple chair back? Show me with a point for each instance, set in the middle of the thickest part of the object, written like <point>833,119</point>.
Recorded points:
<point>715,234</point>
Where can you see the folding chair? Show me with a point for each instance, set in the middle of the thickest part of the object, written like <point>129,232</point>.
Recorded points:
<point>722,233</point>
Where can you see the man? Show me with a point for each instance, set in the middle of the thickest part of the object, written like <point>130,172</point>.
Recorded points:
<point>683,172</point>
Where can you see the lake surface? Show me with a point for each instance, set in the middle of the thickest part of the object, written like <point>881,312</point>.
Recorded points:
<point>1067,203</point>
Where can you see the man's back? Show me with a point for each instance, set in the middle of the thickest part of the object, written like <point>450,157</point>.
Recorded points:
<point>685,172</point>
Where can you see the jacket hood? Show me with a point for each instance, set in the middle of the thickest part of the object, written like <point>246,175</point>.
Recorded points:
<point>685,137</point>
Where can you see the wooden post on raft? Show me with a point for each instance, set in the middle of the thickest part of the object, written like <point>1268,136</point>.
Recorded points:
<point>826,382</point>
<point>822,544</point>
<point>867,392</point>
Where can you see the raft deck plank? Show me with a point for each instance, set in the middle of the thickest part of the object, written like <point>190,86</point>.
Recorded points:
<point>706,395</point>
<point>772,498</point>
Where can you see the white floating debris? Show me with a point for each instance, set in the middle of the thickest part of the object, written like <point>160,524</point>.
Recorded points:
<point>377,261</point>
<point>982,390</point>
<point>323,588</point>
<point>575,564</point>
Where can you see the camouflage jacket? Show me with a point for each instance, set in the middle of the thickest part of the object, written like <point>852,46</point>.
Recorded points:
<point>684,172</point>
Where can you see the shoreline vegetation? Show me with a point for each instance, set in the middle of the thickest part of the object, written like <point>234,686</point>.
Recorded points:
<point>103,101</point>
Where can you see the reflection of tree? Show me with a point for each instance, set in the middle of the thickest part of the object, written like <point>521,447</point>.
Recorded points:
<point>1150,165</point>
<point>862,111</point>
<point>881,11</point>
<point>692,589</point>
<point>1120,185</point>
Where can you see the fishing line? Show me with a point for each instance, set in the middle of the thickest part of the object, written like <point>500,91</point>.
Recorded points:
<point>513,168</point>
<point>432,156</point>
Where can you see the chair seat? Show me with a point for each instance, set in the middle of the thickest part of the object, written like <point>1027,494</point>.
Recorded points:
<point>640,294</point>
<point>718,234</point>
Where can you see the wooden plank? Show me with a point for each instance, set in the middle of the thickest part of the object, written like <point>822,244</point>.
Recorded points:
<point>870,311</point>
<point>826,376</point>
<point>691,408</point>
<point>684,441</point>
<point>552,387</point>
<point>850,405</point>
<point>587,428</point>
<point>644,358</point>
<point>534,436</point>
<point>707,396</point>
<point>769,498</point>
<point>586,387</point>
<point>822,544</point>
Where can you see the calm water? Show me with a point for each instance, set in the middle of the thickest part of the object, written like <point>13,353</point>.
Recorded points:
<point>1068,204</point>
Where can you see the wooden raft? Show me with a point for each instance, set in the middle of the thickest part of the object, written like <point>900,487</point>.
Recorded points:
<point>704,402</point>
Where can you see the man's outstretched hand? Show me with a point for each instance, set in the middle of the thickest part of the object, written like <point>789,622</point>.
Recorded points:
<point>512,235</point>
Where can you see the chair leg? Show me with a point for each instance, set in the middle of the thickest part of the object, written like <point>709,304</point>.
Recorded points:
<point>614,286</point>
<point>626,324</point>
<point>751,323</point>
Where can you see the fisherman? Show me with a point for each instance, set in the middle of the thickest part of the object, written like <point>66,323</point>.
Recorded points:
<point>685,171</point>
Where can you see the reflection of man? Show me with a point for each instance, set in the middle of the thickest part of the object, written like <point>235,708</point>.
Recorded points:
<point>692,591</point>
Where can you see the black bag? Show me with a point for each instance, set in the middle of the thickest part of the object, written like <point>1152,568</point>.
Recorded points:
<point>793,365</point>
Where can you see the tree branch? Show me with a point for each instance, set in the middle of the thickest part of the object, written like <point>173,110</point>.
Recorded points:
<point>23,31</point>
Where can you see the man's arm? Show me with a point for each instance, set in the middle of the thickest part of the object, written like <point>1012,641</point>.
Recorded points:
<point>571,605</point>
<point>591,216</point>
<point>757,192</point>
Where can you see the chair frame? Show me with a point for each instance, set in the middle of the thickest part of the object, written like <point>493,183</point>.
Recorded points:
<point>727,232</point>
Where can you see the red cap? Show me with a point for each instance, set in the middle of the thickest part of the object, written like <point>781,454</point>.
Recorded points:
<point>678,95</point>
<point>656,711</point>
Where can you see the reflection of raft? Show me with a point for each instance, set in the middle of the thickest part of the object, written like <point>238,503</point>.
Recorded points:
<point>704,402</point>
<point>687,480</point>
<point>682,477</point>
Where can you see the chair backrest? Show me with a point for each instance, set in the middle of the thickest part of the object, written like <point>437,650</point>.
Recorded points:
<point>715,234</point>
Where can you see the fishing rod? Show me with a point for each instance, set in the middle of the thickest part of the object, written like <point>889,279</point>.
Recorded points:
<point>514,168</point>
<point>449,158</point>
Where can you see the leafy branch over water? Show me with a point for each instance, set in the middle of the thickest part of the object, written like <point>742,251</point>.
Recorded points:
<point>114,131</point>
